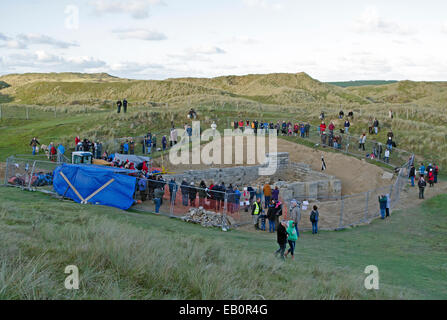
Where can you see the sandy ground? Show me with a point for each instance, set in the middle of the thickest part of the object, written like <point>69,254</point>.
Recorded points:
<point>356,175</point>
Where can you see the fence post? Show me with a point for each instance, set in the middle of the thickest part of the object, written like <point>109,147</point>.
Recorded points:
<point>347,144</point>
<point>341,213</point>
<point>6,171</point>
<point>366,207</point>
<point>0,112</point>
<point>55,111</point>
<point>31,175</point>
<point>27,113</point>
<point>174,193</point>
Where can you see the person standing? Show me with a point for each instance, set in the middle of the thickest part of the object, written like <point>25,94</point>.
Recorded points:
<point>184,189</point>
<point>192,194</point>
<point>34,144</point>
<point>158,196</point>
<point>431,177</point>
<point>172,185</point>
<point>362,142</point>
<point>119,104</point>
<point>275,194</point>
<point>271,216</point>
<point>382,203</point>
<point>125,105</point>
<point>132,147</point>
<point>267,194</point>
<point>314,217</point>
<point>387,155</point>
<point>202,193</point>
<point>126,147</point>
<point>436,171</point>
<point>164,143</point>
<point>347,125</point>
<point>295,215</point>
<point>60,153</point>
<point>421,170</point>
<point>281,233</point>
<point>412,174</point>
<point>421,184</point>
<point>142,187</point>
<point>291,239</point>
<point>256,212</point>
<point>376,126</point>
<point>388,205</point>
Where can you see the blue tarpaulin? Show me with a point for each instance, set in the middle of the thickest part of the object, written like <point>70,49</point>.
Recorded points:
<point>88,179</point>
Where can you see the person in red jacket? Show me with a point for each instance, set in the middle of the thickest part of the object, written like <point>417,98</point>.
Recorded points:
<point>431,178</point>
<point>52,152</point>
<point>77,140</point>
<point>331,127</point>
<point>322,127</point>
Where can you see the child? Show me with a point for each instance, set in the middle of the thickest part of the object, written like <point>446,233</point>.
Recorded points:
<point>292,237</point>
<point>282,239</point>
<point>263,217</point>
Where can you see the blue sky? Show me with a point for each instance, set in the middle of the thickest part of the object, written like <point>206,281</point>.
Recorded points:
<point>158,39</point>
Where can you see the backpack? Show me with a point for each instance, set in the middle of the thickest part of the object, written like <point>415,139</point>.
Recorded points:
<point>313,215</point>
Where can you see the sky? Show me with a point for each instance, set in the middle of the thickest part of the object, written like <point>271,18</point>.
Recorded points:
<point>159,39</point>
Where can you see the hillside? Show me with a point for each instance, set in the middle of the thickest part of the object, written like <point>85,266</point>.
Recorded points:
<point>360,83</point>
<point>94,89</point>
<point>404,92</point>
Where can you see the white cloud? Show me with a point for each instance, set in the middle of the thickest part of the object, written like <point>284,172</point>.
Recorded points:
<point>444,27</point>
<point>207,50</point>
<point>264,4</point>
<point>32,38</point>
<point>141,34</point>
<point>138,9</point>
<point>22,41</point>
<point>371,22</point>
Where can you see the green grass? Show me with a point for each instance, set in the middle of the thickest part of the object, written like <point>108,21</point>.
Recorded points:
<point>127,255</point>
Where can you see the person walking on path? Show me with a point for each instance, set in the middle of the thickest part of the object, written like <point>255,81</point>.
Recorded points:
<point>382,203</point>
<point>421,184</point>
<point>281,238</point>
<point>314,217</point>
<point>295,215</point>
<point>34,144</point>
<point>291,239</point>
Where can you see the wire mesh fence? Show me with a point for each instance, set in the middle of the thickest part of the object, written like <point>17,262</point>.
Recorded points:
<point>219,206</point>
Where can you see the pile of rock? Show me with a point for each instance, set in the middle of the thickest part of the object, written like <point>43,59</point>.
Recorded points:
<point>207,218</point>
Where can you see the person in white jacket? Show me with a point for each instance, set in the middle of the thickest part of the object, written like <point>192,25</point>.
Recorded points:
<point>362,142</point>
<point>387,156</point>
<point>214,127</point>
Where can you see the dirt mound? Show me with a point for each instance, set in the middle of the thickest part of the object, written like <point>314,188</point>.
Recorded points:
<point>356,175</point>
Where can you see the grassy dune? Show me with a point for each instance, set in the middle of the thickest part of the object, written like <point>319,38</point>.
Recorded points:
<point>132,256</point>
